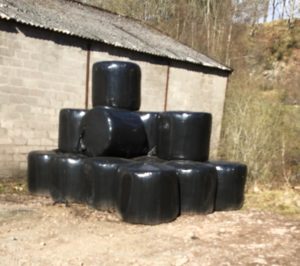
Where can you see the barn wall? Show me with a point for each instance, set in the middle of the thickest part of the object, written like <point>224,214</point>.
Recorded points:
<point>202,92</point>
<point>42,72</point>
<point>38,77</point>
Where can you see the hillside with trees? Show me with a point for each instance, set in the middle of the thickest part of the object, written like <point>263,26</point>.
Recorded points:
<point>260,40</point>
<point>262,117</point>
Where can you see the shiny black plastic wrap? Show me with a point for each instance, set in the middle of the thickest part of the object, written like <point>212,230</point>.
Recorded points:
<point>150,122</point>
<point>39,171</point>
<point>147,158</point>
<point>116,84</point>
<point>113,132</point>
<point>69,129</point>
<point>184,135</point>
<point>230,185</point>
<point>197,186</point>
<point>149,193</point>
<point>68,182</point>
<point>101,173</point>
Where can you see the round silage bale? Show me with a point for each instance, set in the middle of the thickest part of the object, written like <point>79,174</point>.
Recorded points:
<point>197,186</point>
<point>69,129</point>
<point>113,132</point>
<point>101,173</point>
<point>68,182</point>
<point>148,194</point>
<point>116,84</point>
<point>230,185</point>
<point>39,171</point>
<point>184,135</point>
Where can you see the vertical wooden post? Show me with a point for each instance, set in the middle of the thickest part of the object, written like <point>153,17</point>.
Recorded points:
<point>167,87</point>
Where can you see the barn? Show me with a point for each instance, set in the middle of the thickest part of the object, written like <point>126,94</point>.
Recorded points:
<point>47,49</point>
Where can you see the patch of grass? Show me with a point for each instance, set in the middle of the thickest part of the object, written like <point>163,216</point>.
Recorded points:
<point>286,201</point>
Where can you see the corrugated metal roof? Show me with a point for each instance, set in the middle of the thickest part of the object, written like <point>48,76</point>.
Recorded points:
<point>73,18</point>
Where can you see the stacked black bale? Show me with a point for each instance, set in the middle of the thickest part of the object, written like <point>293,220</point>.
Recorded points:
<point>197,186</point>
<point>117,84</point>
<point>231,184</point>
<point>68,182</point>
<point>101,174</point>
<point>39,171</point>
<point>69,129</point>
<point>184,136</point>
<point>149,193</point>
<point>113,132</point>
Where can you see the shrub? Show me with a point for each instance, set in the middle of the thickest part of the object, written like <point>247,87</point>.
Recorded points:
<point>253,133</point>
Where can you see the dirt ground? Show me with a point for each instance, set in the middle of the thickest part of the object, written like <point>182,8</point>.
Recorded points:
<point>34,232</point>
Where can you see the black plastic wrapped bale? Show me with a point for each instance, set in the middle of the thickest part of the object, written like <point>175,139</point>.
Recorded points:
<point>116,84</point>
<point>147,158</point>
<point>149,193</point>
<point>101,173</point>
<point>150,122</point>
<point>230,185</point>
<point>69,129</point>
<point>113,132</point>
<point>197,186</point>
<point>39,171</point>
<point>184,135</point>
<point>68,182</point>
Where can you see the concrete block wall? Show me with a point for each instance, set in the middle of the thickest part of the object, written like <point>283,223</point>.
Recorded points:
<point>38,77</point>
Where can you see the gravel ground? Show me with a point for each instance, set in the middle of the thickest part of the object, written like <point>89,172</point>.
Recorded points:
<point>34,232</point>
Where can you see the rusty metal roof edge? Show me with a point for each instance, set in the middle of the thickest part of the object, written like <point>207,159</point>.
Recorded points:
<point>67,32</point>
